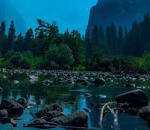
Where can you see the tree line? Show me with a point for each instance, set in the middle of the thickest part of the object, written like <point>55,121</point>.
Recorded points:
<point>46,48</point>
<point>119,41</point>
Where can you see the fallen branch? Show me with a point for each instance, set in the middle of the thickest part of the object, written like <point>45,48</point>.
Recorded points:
<point>102,113</point>
<point>116,124</point>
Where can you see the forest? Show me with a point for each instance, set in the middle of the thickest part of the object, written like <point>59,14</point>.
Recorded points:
<point>102,49</point>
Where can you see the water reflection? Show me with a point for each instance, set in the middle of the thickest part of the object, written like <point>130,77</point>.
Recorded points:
<point>63,94</point>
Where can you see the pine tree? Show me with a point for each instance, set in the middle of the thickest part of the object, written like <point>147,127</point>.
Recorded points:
<point>19,43</point>
<point>88,44</point>
<point>102,41</point>
<point>3,39</point>
<point>11,36</point>
<point>28,43</point>
<point>120,39</point>
<point>95,39</point>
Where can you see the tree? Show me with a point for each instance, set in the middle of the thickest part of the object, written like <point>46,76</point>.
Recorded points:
<point>102,39</point>
<point>29,39</point>
<point>3,38</point>
<point>11,37</point>
<point>120,39</point>
<point>95,42</point>
<point>88,45</point>
<point>66,57</point>
<point>18,46</point>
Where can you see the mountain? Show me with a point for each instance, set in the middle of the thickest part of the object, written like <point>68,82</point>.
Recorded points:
<point>9,13</point>
<point>121,12</point>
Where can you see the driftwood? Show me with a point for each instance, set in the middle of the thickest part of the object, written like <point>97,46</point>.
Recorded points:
<point>115,114</point>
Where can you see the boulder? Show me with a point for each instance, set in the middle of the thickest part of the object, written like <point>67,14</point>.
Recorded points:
<point>99,81</point>
<point>13,107</point>
<point>48,109</point>
<point>39,120</point>
<point>1,89</point>
<point>128,85</point>
<point>22,101</point>
<point>79,119</point>
<point>144,112</point>
<point>53,114</point>
<point>136,98</point>
<point>3,113</point>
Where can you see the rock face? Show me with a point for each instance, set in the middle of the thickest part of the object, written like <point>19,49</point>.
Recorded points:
<point>76,119</point>
<point>12,106</point>
<point>135,98</point>
<point>121,12</point>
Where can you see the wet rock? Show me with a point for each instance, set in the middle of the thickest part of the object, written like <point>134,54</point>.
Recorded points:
<point>53,114</point>
<point>47,82</point>
<point>144,112</point>
<point>135,98</point>
<point>79,119</point>
<point>87,110</point>
<point>80,80</point>
<point>4,77</point>
<point>85,83</point>
<point>49,108</point>
<point>16,82</point>
<point>22,101</point>
<point>128,85</point>
<point>39,120</point>
<point>1,89</point>
<point>99,81</point>
<point>132,111</point>
<point>13,107</point>
<point>71,102</point>
<point>87,94</point>
<point>3,114</point>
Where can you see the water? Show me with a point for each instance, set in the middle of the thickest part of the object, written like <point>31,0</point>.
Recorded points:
<point>63,94</point>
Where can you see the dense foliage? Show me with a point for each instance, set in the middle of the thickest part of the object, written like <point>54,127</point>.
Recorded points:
<point>105,49</point>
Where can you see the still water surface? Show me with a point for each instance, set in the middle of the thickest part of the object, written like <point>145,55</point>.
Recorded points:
<point>63,94</point>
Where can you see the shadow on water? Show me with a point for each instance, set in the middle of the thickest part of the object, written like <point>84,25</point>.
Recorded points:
<point>71,97</point>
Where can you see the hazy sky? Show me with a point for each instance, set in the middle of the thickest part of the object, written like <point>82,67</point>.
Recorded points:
<point>72,14</point>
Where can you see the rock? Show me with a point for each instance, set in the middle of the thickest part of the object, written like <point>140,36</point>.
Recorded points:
<point>13,107</point>
<point>132,111</point>
<point>144,112</point>
<point>53,114</point>
<point>49,108</point>
<point>99,81</point>
<point>16,82</point>
<point>79,119</point>
<point>3,113</point>
<point>4,77</point>
<point>1,89</point>
<point>128,85</point>
<point>22,101</point>
<point>80,80</point>
<point>39,120</point>
<point>87,110</point>
<point>135,98</point>
<point>87,94</point>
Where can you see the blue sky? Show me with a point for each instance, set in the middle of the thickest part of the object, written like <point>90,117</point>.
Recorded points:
<point>71,14</point>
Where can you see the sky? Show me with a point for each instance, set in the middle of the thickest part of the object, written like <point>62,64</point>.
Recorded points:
<point>71,14</point>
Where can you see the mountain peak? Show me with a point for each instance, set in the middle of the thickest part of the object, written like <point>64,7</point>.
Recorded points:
<point>121,12</point>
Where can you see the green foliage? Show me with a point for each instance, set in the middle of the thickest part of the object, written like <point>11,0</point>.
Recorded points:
<point>79,68</point>
<point>16,60</point>
<point>59,55</point>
